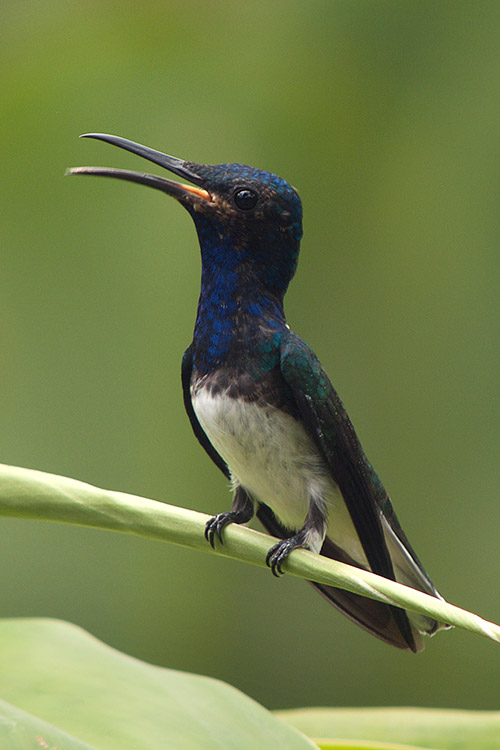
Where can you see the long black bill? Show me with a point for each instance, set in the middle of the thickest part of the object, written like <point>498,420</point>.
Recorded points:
<point>173,164</point>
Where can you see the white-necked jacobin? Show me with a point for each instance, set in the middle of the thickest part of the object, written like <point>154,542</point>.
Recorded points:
<point>261,404</point>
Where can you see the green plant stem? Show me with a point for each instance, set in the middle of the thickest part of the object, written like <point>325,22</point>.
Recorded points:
<point>26,493</point>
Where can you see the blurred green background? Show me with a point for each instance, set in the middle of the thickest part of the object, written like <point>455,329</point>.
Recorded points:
<point>385,116</point>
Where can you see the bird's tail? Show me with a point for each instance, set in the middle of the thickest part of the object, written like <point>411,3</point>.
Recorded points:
<point>409,571</point>
<point>391,624</point>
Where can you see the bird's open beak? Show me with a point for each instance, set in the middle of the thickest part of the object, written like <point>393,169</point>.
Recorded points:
<point>177,166</point>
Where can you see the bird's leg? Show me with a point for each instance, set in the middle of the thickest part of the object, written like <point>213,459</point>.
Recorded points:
<point>241,512</point>
<point>311,536</point>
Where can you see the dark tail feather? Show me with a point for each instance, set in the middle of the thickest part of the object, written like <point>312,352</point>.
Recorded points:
<point>390,624</point>
<point>384,621</point>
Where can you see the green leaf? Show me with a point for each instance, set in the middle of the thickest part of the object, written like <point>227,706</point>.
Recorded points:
<point>361,745</point>
<point>439,729</point>
<point>22,731</point>
<point>79,686</point>
<point>25,493</point>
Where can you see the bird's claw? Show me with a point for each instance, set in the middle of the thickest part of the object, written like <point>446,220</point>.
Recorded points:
<point>215,526</point>
<point>278,554</point>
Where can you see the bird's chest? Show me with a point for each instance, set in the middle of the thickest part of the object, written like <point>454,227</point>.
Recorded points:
<point>267,450</point>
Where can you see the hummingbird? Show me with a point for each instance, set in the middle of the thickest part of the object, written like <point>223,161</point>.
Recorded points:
<point>261,404</point>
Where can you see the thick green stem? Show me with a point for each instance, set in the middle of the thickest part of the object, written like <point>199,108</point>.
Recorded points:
<point>25,493</point>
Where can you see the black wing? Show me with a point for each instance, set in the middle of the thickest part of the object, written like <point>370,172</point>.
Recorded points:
<point>329,426</point>
<point>186,372</point>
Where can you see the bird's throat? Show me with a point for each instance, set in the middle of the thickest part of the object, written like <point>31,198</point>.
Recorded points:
<point>234,320</point>
<point>237,311</point>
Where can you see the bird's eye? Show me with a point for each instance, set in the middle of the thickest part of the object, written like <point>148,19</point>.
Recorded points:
<point>246,199</point>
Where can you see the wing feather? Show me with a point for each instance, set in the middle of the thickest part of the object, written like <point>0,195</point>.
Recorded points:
<point>329,426</point>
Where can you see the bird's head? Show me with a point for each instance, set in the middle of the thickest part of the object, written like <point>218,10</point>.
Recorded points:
<point>248,221</point>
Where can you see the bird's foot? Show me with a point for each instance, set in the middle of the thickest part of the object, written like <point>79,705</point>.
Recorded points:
<point>241,512</point>
<point>278,554</point>
<point>215,525</point>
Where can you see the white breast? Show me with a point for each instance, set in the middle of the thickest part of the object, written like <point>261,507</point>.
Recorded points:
<point>270,454</point>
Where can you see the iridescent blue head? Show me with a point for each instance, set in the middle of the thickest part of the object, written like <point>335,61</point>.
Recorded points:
<point>249,222</point>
